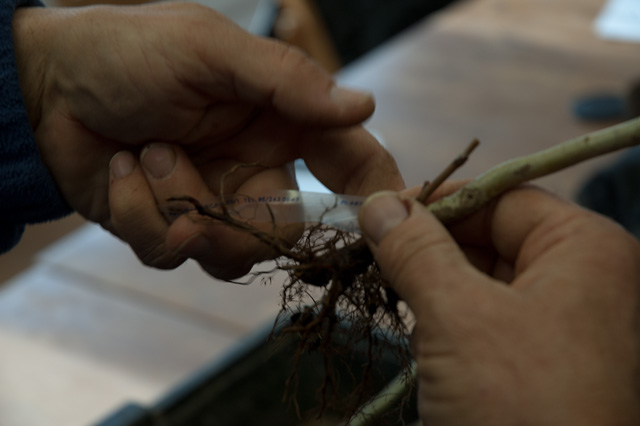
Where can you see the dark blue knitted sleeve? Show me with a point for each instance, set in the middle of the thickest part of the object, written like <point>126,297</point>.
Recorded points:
<point>28,193</point>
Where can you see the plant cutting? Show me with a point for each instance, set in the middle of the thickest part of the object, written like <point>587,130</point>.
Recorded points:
<point>332,275</point>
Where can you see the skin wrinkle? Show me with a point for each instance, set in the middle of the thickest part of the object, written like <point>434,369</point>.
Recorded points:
<point>290,58</point>
<point>114,98</point>
<point>484,384</point>
<point>200,147</point>
<point>98,183</point>
<point>251,149</point>
<point>155,254</point>
<point>365,167</point>
<point>271,95</point>
<point>237,83</point>
<point>156,82</point>
<point>544,237</point>
<point>475,248</point>
<point>354,177</point>
<point>31,76</point>
<point>93,109</point>
<point>563,350</point>
<point>371,160</point>
<point>405,239</point>
<point>234,85</point>
<point>189,82</point>
<point>194,88</point>
<point>210,129</point>
<point>554,233</point>
<point>122,106</point>
<point>472,319</point>
<point>151,67</point>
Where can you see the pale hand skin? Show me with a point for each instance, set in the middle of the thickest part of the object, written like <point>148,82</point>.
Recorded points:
<point>132,105</point>
<point>559,345</point>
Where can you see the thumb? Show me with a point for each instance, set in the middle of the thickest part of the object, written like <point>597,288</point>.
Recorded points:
<point>414,251</point>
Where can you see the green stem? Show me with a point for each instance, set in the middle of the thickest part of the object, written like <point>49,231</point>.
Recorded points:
<point>511,173</point>
<point>387,399</point>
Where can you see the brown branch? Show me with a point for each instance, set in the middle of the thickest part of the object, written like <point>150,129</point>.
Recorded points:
<point>430,187</point>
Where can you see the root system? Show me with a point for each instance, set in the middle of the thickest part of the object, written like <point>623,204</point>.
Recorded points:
<point>333,279</point>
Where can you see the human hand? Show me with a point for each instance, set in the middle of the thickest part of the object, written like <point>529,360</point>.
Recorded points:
<point>173,96</point>
<point>526,312</point>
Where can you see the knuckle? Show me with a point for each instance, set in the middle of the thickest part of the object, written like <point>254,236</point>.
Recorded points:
<point>146,242</point>
<point>377,171</point>
<point>294,62</point>
<point>155,255</point>
<point>292,57</point>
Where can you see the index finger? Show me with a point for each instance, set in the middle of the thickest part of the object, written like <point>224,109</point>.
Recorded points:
<point>228,62</point>
<point>351,161</point>
<point>527,222</point>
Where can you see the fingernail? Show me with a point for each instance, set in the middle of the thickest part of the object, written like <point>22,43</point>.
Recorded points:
<point>159,160</point>
<point>347,97</point>
<point>381,213</point>
<point>197,246</point>
<point>122,164</point>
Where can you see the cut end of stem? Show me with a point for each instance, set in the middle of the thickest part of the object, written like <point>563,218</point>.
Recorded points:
<point>430,187</point>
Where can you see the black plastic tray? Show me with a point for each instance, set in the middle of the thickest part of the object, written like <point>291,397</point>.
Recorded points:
<point>246,387</point>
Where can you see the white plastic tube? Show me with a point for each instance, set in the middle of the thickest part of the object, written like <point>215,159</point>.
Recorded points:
<point>283,207</point>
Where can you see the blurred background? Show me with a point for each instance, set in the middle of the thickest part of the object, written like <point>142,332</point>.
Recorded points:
<point>85,328</point>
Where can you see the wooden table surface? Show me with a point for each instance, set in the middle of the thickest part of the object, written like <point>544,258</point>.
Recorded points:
<point>88,327</point>
<point>503,71</point>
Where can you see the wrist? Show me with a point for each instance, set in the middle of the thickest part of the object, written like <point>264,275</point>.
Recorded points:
<point>27,190</point>
<point>32,34</point>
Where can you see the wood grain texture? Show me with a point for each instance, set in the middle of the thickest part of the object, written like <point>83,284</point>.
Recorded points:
<point>90,327</point>
<point>108,264</point>
<point>505,72</point>
<point>71,352</point>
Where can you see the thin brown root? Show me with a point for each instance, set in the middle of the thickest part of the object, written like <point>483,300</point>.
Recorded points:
<point>232,170</point>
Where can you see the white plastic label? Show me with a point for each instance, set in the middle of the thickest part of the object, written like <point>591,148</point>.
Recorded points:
<point>284,206</point>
